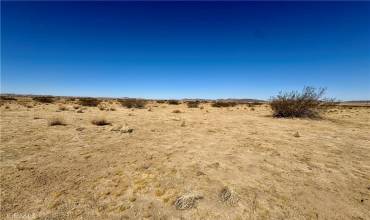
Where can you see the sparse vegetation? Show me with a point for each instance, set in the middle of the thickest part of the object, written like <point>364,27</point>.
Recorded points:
<point>100,122</point>
<point>90,102</point>
<point>133,103</point>
<point>56,121</point>
<point>173,102</point>
<point>220,104</point>
<point>161,101</point>
<point>193,104</point>
<point>7,98</point>
<point>44,99</point>
<point>62,108</point>
<point>299,104</point>
<point>176,111</point>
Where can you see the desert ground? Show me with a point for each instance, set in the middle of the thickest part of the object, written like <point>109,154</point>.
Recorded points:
<point>201,163</point>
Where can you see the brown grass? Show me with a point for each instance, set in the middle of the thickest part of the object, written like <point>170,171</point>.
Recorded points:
<point>219,104</point>
<point>56,121</point>
<point>173,102</point>
<point>193,104</point>
<point>44,99</point>
<point>89,102</point>
<point>133,103</point>
<point>100,122</point>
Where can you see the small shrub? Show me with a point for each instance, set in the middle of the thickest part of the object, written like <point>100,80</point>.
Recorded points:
<point>173,102</point>
<point>299,104</point>
<point>253,104</point>
<point>62,108</point>
<point>161,101</point>
<point>220,104</point>
<point>56,121</point>
<point>100,122</point>
<point>102,107</point>
<point>193,104</point>
<point>44,99</point>
<point>7,98</point>
<point>176,111</point>
<point>90,102</point>
<point>76,107</point>
<point>133,103</point>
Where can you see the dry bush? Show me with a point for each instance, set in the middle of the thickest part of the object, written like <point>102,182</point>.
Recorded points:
<point>62,108</point>
<point>173,102</point>
<point>7,98</point>
<point>44,99</point>
<point>100,122</point>
<point>76,107</point>
<point>56,121</point>
<point>307,103</point>
<point>176,111</point>
<point>90,102</point>
<point>102,107</point>
<point>133,103</point>
<point>253,104</point>
<point>193,104</point>
<point>220,104</point>
<point>161,101</point>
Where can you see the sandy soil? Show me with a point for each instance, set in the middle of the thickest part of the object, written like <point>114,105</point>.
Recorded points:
<point>210,163</point>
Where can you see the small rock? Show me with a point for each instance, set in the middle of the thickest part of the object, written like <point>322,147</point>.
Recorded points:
<point>80,129</point>
<point>127,130</point>
<point>296,134</point>
<point>200,173</point>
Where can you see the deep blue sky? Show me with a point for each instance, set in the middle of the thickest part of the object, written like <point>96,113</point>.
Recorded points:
<point>185,49</point>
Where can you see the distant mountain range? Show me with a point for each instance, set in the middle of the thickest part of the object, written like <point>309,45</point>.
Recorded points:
<point>221,100</point>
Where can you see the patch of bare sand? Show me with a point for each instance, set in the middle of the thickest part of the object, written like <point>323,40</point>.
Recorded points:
<point>245,164</point>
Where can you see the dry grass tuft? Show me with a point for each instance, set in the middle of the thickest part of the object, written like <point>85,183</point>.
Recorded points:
<point>57,121</point>
<point>187,201</point>
<point>193,104</point>
<point>133,103</point>
<point>100,122</point>
<point>229,196</point>
<point>173,102</point>
<point>220,104</point>
<point>62,108</point>
<point>296,134</point>
<point>90,102</point>
<point>44,99</point>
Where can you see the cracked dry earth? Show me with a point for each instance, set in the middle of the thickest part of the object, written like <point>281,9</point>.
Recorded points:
<point>210,163</point>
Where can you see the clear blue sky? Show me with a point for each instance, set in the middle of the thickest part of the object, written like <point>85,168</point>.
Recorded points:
<point>185,49</point>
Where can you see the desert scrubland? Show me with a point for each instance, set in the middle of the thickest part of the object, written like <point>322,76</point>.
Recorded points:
<point>174,162</point>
